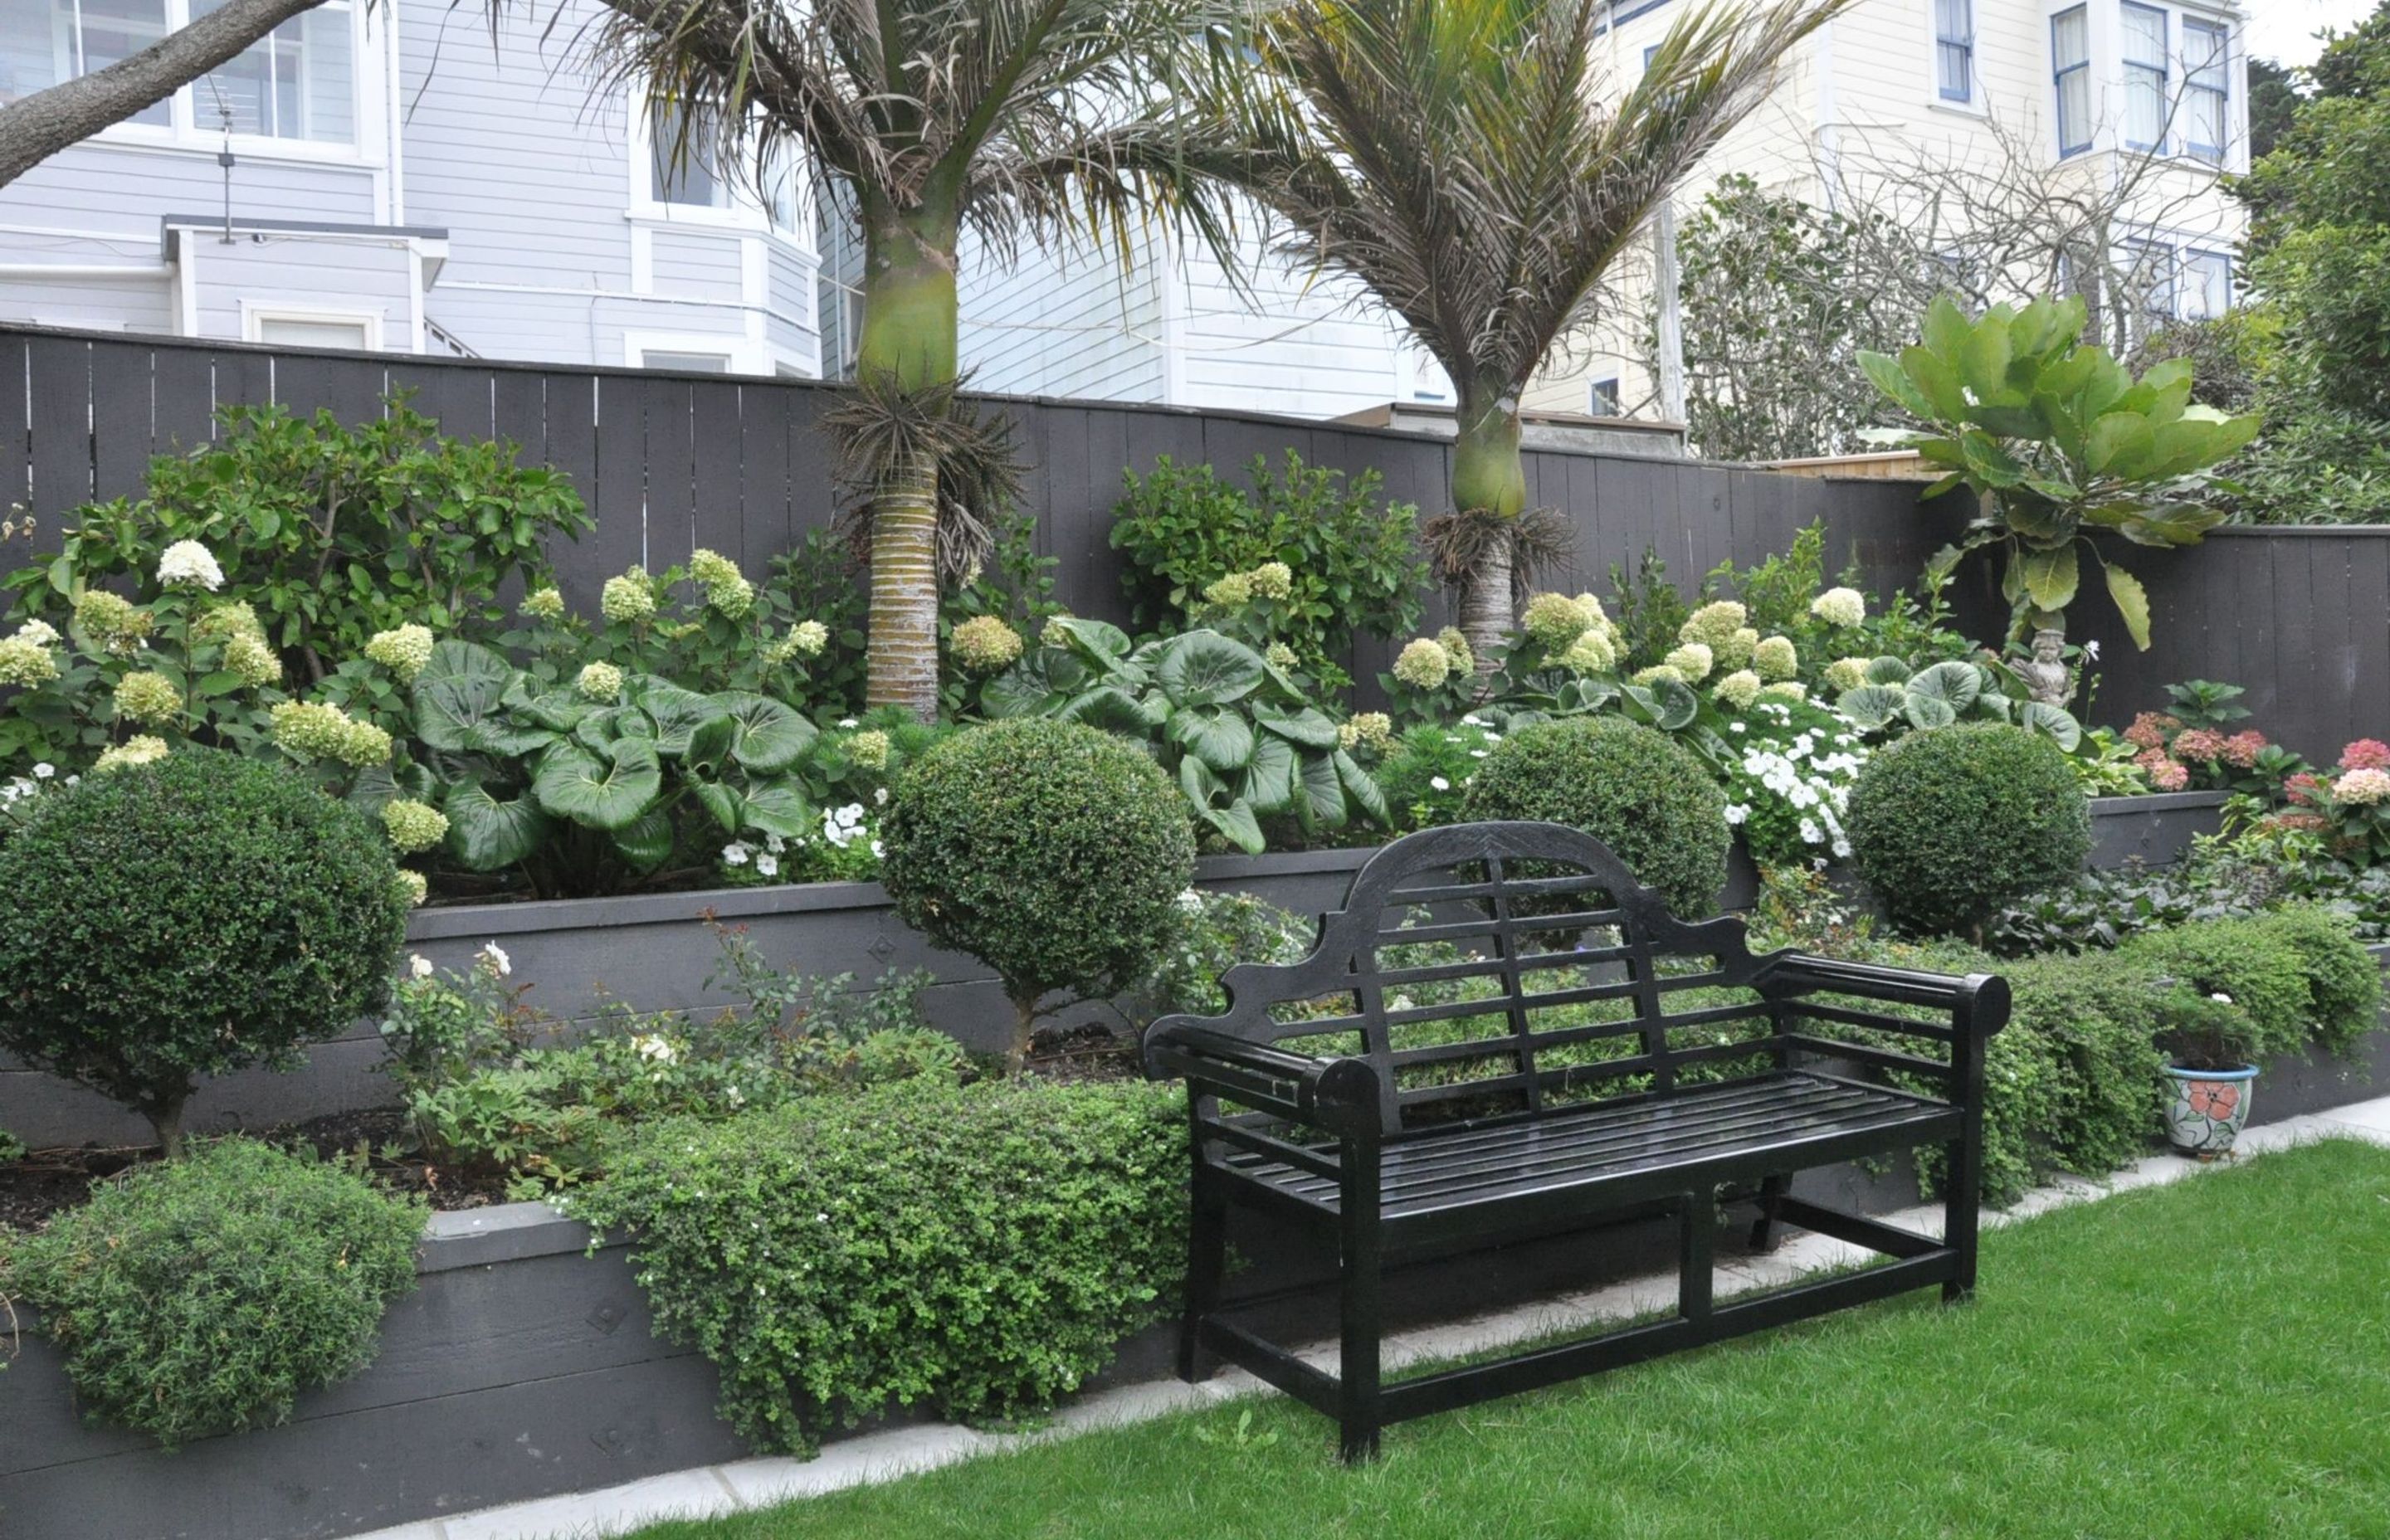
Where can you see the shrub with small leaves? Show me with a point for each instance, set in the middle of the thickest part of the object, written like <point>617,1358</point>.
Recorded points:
<point>1630,787</point>
<point>979,1250</point>
<point>1951,823</point>
<point>1051,852</point>
<point>185,918</point>
<point>201,1296</point>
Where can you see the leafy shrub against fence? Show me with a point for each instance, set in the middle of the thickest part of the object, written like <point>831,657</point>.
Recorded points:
<point>1952,823</point>
<point>201,1296</point>
<point>977,1250</point>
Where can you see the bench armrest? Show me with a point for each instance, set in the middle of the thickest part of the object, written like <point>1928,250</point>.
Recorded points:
<point>1978,1002</point>
<point>1338,1095</point>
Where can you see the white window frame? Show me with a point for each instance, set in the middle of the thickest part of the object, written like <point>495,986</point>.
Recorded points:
<point>1968,95</point>
<point>2131,72</point>
<point>191,124</point>
<point>2058,76</point>
<point>1595,389</point>
<point>256,314</point>
<point>2184,257</point>
<point>745,214</point>
<point>746,354</point>
<point>2221,29</point>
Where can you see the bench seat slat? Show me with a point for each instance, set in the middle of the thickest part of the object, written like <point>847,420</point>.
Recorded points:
<point>1603,1143</point>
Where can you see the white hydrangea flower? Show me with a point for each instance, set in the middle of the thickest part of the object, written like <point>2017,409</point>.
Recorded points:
<point>188,564</point>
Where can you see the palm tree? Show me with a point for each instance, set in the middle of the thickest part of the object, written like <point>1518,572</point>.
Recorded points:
<point>1471,165</point>
<point>927,118</point>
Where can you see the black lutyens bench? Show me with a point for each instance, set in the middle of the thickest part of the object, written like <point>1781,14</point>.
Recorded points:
<point>1502,1029</point>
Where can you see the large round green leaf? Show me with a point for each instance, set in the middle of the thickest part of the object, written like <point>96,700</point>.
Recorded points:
<point>1270,776</point>
<point>1872,707</point>
<point>458,695</point>
<point>2055,723</point>
<point>1025,689</point>
<point>486,835</point>
<point>648,843</point>
<point>676,713</point>
<point>1955,683</point>
<point>779,807</point>
<point>609,792</point>
<point>724,802</point>
<point>1203,668</point>
<point>1361,787</point>
<point>1220,738</point>
<point>1308,726</point>
<point>772,734</point>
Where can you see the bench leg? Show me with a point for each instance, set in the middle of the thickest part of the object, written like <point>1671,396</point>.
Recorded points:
<point>1693,1261</point>
<point>1207,1258</point>
<point>1771,1192</point>
<point>1359,1312</point>
<point>1961,1210</point>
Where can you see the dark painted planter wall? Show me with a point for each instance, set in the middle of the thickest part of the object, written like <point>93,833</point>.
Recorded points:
<point>652,952</point>
<point>524,1367</point>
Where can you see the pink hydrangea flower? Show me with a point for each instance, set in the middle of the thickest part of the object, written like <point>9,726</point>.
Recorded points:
<point>2204,744</point>
<point>2163,774</point>
<point>2366,753</point>
<point>2302,788</point>
<point>2241,749</point>
<point>2149,730</point>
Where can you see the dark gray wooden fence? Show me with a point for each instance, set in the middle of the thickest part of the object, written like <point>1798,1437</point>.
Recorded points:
<point>669,462</point>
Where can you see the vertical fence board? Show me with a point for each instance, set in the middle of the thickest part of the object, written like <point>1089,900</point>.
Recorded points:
<point>458,399</point>
<point>182,399</point>
<point>351,388</point>
<point>762,511</point>
<point>716,446</point>
<point>814,491</point>
<point>16,449</point>
<point>568,429</point>
<point>2291,593</point>
<point>60,373</point>
<point>2368,624</point>
<point>243,378</point>
<point>121,387</point>
<point>671,472</point>
<point>519,414</point>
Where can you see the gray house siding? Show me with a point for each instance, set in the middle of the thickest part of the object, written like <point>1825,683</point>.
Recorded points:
<point>553,250</point>
<point>1079,324</point>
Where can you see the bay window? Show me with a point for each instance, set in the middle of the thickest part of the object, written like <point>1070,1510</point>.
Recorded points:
<point>2206,55</point>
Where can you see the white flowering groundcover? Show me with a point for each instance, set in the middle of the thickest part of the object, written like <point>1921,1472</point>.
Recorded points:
<point>1790,779</point>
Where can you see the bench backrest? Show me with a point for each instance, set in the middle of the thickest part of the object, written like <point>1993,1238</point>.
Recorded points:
<point>1510,967</point>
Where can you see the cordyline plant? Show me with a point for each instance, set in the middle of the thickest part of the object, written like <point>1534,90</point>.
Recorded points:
<point>927,118</point>
<point>1474,163</point>
<point>2057,440</point>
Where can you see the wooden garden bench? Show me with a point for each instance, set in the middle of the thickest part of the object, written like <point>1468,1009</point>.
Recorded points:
<point>1501,1030</point>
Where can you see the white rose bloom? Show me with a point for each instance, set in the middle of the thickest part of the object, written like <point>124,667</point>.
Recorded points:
<point>188,562</point>
<point>496,958</point>
<point>419,965</point>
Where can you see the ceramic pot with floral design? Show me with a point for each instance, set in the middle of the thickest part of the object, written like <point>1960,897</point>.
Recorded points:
<point>2206,1108</point>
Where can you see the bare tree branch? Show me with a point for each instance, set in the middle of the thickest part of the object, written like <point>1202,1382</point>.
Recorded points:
<point>40,126</point>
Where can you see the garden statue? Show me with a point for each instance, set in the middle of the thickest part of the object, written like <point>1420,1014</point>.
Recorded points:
<point>2044,674</point>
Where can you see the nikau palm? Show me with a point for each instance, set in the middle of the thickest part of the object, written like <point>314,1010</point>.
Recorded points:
<point>1473,165</point>
<point>931,117</point>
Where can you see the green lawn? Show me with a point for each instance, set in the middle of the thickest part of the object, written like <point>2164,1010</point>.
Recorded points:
<point>2209,1360</point>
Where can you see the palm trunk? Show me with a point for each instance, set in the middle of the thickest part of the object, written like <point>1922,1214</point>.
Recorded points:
<point>1488,479</point>
<point>909,324</point>
<point>166,1121</point>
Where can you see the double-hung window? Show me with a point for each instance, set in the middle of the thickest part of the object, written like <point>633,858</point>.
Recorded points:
<point>2206,285</point>
<point>2070,57</point>
<point>297,83</point>
<point>2206,52</point>
<point>1954,49</point>
<point>2146,71</point>
<point>2150,284</point>
<point>681,149</point>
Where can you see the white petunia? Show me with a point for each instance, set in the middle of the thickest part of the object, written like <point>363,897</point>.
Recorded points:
<point>734,856</point>
<point>767,865</point>
<point>1736,812</point>
<point>1439,783</point>
<point>44,772</point>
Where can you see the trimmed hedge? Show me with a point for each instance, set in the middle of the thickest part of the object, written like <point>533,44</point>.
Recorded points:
<point>1052,852</point>
<point>199,1296</point>
<point>187,917</point>
<point>977,1250</point>
<point>1631,786</point>
<point>1948,824</point>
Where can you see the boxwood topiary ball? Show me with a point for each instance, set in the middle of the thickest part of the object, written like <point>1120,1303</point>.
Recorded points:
<point>1950,824</point>
<point>182,919</point>
<point>1053,852</point>
<point>1631,786</point>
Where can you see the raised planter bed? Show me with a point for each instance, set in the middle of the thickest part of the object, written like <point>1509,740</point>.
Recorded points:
<point>524,1367</point>
<point>653,953</point>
